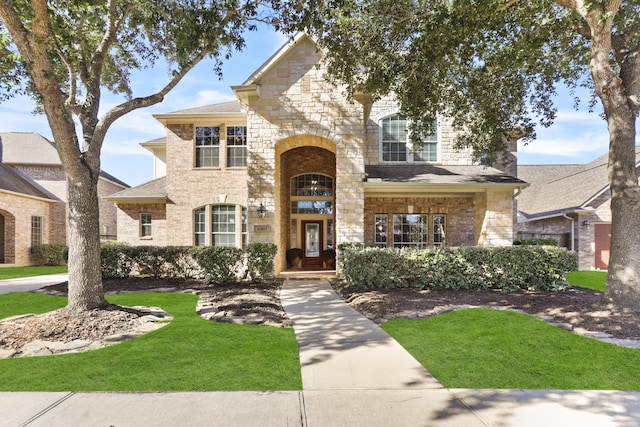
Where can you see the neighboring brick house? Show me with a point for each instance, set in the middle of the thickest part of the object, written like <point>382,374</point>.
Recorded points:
<point>572,204</point>
<point>295,163</point>
<point>33,195</point>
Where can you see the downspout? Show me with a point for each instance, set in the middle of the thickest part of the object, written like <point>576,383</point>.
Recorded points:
<point>572,228</point>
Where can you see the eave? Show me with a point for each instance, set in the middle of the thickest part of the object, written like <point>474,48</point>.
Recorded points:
<point>396,189</point>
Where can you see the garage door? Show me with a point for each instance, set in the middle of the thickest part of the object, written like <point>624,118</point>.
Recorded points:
<point>603,243</point>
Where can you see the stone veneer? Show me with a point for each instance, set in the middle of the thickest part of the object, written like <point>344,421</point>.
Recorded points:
<point>296,107</point>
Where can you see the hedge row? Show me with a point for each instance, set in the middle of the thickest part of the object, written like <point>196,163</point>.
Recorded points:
<point>215,264</point>
<point>48,254</point>
<point>507,268</point>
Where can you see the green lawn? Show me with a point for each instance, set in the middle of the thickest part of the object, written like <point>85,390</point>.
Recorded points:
<point>190,353</point>
<point>483,348</point>
<point>17,272</point>
<point>591,279</point>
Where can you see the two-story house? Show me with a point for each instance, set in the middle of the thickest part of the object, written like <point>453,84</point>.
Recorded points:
<point>294,162</point>
<point>33,197</point>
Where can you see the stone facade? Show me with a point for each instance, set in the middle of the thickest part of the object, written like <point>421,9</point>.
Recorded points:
<point>297,124</point>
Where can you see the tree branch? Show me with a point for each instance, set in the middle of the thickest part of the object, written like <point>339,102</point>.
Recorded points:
<point>133,104</point>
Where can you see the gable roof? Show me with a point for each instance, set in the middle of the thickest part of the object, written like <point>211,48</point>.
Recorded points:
<point>434,178</point>
<point>28,148</point>
<point>13,182</point>
<point>232,109</point>
<point>557,189</point>
<point>154,191</point>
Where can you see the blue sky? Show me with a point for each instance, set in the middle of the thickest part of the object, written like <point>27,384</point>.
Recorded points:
<point>575,137</point>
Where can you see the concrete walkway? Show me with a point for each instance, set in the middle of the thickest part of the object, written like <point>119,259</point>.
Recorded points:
<point>353,375</point>
<point>26,284</point>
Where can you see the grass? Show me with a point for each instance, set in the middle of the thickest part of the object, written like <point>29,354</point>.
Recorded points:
<point>18,272</point>
<point>483,348</point>
<point>590,279</point>
<point>189,354</point>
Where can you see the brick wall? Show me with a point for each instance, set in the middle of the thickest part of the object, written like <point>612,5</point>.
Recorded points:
<point>108,211</point>
<point>129,224</point>
<point>17,212</point>
<point>189,187</point>
<point>459,211</point>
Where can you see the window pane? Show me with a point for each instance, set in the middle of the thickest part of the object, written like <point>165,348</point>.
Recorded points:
<point>321,207</point>
<point>236,146</point>
<point>199,226</point>
<point>223,225</point>
<point>394,139</point>
<point>207,143</point>
<point>36,231</point>
<point>428,152</point>
<point>145,224</point>
<point>410,230</point>
<point>313,185</point>
<point>382,221</point>
<point>439,230</point>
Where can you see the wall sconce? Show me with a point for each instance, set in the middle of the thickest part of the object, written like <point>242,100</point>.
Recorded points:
<point>410,209</point>
<point>585,223</point>
<point>262,210</point>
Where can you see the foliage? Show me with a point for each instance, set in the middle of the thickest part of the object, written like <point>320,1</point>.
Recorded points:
<point>260,259</point>
<point>116,261</point>
<point>188,354</point>
<point>538,241</point>
<point>221,264</point>
<point>65,55</point>
<point>491,66</point>
<point>482,348</point>
<point>291,255</point>
<point>507,268</point>
<point>48,254</point>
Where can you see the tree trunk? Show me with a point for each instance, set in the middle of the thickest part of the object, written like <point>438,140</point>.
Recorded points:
<point>623,277</point>
<point>85,279</point>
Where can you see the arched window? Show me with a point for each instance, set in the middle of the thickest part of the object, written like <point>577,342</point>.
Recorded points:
<point>312,193</point>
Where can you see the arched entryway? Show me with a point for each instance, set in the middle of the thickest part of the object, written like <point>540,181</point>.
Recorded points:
<point>307,197</point>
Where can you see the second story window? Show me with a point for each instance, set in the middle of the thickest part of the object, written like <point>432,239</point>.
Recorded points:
<point>207,147</point>
<point>236,146</point>
<point>396,146</point>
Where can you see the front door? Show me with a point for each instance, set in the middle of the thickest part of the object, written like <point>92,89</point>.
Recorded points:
<point>312,244</point>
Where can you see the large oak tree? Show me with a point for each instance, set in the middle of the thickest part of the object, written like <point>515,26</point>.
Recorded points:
<point>65,53</point>
<point>492,66</point>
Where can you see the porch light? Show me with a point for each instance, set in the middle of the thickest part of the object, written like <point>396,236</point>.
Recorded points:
<point>586,223</point>
<point>410,209</point>
<point>262,210</point>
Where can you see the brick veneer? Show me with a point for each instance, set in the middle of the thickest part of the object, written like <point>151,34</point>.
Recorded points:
<point>129,224</point>
<point>17,212</point>
<point>459,211</point>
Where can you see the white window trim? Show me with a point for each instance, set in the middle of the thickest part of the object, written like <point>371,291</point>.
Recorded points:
<point>409,144</point>
<point>222,146</point>
<point>142,235</point>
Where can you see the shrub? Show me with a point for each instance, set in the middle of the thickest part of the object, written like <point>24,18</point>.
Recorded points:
<point>291,255</point>
<point>506,268</point>
<point>260,260</point>
<point>116,261</point>
<point>549,241</point>
<point>221,264</point>
<point>48,254</point>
